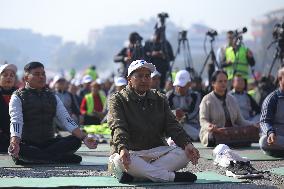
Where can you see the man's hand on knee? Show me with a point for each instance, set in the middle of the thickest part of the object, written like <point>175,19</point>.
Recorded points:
<point>125,158</point>
<point>271,139</point>
<point>14,147</point>
<point>192,153</point>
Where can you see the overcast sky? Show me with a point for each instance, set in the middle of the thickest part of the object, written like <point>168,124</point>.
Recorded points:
<point>72,19</point>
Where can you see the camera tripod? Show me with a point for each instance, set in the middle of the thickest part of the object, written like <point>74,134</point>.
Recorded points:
<point>213,63</point>
<point>278,55</point>
<point>183,45</point>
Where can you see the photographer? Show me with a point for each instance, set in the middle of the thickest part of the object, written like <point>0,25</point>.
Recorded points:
<point>134,51</point>
<point>158,49</point>
<point>159,53</point>
<point>235,58</point>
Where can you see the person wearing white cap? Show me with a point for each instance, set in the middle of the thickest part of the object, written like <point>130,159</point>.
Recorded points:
<point>185,104</point>
<point>86,87</point>
<point>119,84</point>
<point>139,119</point>
<point>60,89</point>
<point>156,80</point>
<point>93,106</point>
<point>7,87</point>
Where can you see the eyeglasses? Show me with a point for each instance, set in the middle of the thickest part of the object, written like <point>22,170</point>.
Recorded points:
<point>142,76</point>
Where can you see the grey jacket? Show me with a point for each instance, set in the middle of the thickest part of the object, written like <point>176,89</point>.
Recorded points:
<point>141,123</point>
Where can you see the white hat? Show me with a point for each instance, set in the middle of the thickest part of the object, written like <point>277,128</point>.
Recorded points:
<point>87,79</point>
<point>182,78</point>
<point>155,73</point>
<point>57,78</point>
<point>139,64</point>
<point>8,66</point>
<point>120,81</point>
<point>99,81</point>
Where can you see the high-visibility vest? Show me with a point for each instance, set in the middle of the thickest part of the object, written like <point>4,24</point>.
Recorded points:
<point>90,101</point>
<point>240,59</point>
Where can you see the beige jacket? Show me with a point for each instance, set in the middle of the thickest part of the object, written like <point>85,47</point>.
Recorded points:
<point>212,112</point>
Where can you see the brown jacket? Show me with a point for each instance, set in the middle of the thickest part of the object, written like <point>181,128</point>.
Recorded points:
<point>141,123</point>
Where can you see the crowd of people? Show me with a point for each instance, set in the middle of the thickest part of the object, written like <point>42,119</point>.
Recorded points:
<point>153,120</point>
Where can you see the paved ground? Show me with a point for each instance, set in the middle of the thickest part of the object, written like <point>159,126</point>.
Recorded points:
<point>269,181</point>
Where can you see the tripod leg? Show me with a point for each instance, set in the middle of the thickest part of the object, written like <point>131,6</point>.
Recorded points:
<point>273,62</point>
<point>203,67</point>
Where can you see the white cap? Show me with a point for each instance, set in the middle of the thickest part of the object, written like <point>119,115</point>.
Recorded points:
<point>87,79</point>
<point>182,78</point>
<point>99,81</point>
<point>139,64</point>
<point>120,81</point>
<point>155,73</point>
<point>8,67</point>
<point>57,78</point>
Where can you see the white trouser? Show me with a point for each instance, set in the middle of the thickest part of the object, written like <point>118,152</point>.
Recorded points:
<point>156,164</point>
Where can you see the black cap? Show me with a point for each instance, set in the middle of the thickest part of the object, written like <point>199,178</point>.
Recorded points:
<point>32,65</point>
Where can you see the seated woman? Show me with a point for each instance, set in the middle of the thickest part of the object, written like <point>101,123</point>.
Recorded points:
<point>220,118</point>
<point>7,87</point>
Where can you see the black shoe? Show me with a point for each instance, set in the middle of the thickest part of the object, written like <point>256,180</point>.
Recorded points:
<point>251,169</point>
<point>185,177</point>
<point>72,158</point>
<point>17,161</point>
<point>237,170</point>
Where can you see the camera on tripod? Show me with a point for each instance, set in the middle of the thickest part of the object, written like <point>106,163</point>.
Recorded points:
<point>238,33</point>
<point>212,33</point>
<point>182,35</point>
<point>163,16</point>
<point>278,35</point>
<point>278,31</point>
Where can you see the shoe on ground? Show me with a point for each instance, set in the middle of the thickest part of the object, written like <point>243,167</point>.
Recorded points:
<point>185,177</point>
<point>237,170</point>
<point>253,172</point>
<point>17,161</point>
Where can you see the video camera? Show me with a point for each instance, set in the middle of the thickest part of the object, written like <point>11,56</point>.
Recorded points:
<point>163,16</point>
<point>182,35</point>
<point>278,35</point>
<point>212,33</point>
<point>238,33</point>
<point>278,31</point>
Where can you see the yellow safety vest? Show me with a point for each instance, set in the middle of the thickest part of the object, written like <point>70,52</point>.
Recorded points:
<point>90,101</point>
<point>240,59</point>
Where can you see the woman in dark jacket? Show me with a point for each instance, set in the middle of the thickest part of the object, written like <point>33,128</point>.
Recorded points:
<point>7,87</point>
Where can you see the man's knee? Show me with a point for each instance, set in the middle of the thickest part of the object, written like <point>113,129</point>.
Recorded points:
<point>263,142</point>
<point>74,141</point>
